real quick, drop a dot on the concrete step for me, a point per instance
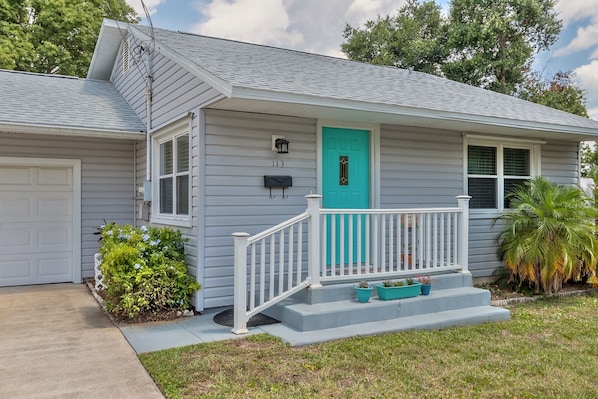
(449, 318)
(302, 316)
(345, 291)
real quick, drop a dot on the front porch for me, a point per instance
(303, 271)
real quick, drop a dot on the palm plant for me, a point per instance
(549, 235)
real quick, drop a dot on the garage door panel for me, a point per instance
(15, 269)
(55, 207)
(13, 207)
(36, 225)
(15, 239)
(17, 176)
(51, 268)
(58, 178)
(54, 238)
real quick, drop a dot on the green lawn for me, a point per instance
(548, 350)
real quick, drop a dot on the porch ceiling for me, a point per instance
(391, 114)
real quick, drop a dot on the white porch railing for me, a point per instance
(323, 245)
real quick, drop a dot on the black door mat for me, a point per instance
(227, 318)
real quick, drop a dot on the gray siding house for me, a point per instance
(171, 128)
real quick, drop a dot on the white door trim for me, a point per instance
(75, 164)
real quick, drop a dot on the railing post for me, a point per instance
(314, 240)
(463, 254)
(240, 281)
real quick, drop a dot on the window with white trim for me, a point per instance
(495, 169)
(171, 177)
(174, 176)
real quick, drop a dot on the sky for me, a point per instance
(317, 26)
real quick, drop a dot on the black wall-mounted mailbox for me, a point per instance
(278, 181)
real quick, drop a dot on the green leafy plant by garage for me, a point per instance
(549, 236)
(144, 270)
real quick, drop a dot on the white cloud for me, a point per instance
(151, 6)
(244, 20)
(572, 11)
(588, 77)
(586, 38)
(308, 25)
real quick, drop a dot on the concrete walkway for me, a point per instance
(56, 342)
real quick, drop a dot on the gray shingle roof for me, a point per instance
(243, 65)
(64, 102)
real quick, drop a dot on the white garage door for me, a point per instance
(36, 224)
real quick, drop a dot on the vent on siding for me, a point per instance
(126, 55)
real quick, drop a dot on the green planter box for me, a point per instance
(404, 291)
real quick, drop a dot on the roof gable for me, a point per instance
(256, 72)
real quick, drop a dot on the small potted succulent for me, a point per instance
(426, 282)
(364, 291)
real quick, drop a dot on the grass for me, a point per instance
(548, 350)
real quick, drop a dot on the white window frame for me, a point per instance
(163, 135)
(534, 147)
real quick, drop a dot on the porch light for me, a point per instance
(282, 145)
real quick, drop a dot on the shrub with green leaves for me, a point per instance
(144, 269)
(549, 235)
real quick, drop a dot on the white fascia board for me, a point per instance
(70, 131)
(263, 95)
(212, 80)
(106, 50)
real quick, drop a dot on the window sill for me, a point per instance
(179, 222)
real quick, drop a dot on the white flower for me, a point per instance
(137, 266)
(145, 237)
(143, 228)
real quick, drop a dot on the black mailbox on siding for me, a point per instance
(278, 181)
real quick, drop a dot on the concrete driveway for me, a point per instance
(55, 342)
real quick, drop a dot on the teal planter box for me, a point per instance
(403, 291)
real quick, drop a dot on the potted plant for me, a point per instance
(396, 290)
(426, 282)
(364, 291)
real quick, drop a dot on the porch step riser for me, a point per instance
(306, 317)
(345, 292)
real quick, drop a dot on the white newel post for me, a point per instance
(314, 202)
(240, 281)
(463, 255)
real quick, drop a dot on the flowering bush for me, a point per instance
(144, 269)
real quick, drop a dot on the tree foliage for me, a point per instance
(589, 160)
(413, 38)
(54, 36)
(485, 43)
(492, 41)
(561, 92)
(549, 236)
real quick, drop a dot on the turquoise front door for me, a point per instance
(345, 184)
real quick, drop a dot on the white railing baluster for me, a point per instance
(391, 251)
(375, 244)
(350, 244)
(281, 252)
(263, 272)
(332, 245)
(299, 251)
(272, 266)
(359, 240)
(290, 253)
(252, 278)
(341, 249)
(435, 241)
(368, 266)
